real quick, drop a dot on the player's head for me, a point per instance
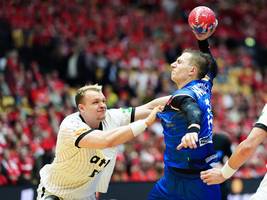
(91, 102)
(191, 65)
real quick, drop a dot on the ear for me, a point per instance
(81, 107)
(193, 71)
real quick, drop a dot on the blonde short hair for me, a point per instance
(81, 92)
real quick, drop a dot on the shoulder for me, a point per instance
(200, 88)
(73, 121)
(71, 130)
(184, 92)
(74, 117)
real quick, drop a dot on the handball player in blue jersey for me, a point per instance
(187, 128)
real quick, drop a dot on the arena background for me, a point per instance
(48, 48)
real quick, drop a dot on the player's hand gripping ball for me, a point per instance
(202, 19)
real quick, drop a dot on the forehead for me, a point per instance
(93, 95)
(184, 56)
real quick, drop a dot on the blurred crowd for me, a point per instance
(49, 48)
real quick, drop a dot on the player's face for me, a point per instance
(181, 68)
(94, 105)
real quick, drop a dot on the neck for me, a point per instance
(182, 84)
(92, 123)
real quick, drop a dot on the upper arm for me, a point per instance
(71, 129)
(256, 137)
(188, 106)
(181, 101)
(93, 138)
(259, 132)
(97, 139)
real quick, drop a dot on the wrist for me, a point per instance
(138, 127)
(193, 128)
(227, 171)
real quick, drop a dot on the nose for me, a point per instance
(103, 105)
(173, 65)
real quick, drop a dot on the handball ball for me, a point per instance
(201, 19)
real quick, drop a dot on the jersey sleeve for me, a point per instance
(72, 130)
(262, 121)
(183, 93)
(191, 110)
(122, 116)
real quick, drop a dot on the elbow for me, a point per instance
(195, 116)
(198, 115)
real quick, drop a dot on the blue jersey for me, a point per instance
(175, 127)
(181, 178)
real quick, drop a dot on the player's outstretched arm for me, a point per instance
(144, 110)
(103, 139)
(243, 152)
(203, 23)
(205, 48)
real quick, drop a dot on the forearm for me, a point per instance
(247, 148)
(242, 153)
(193, 116)
(205, 48)
(118, 136)
(143, 111)
(158, 101)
